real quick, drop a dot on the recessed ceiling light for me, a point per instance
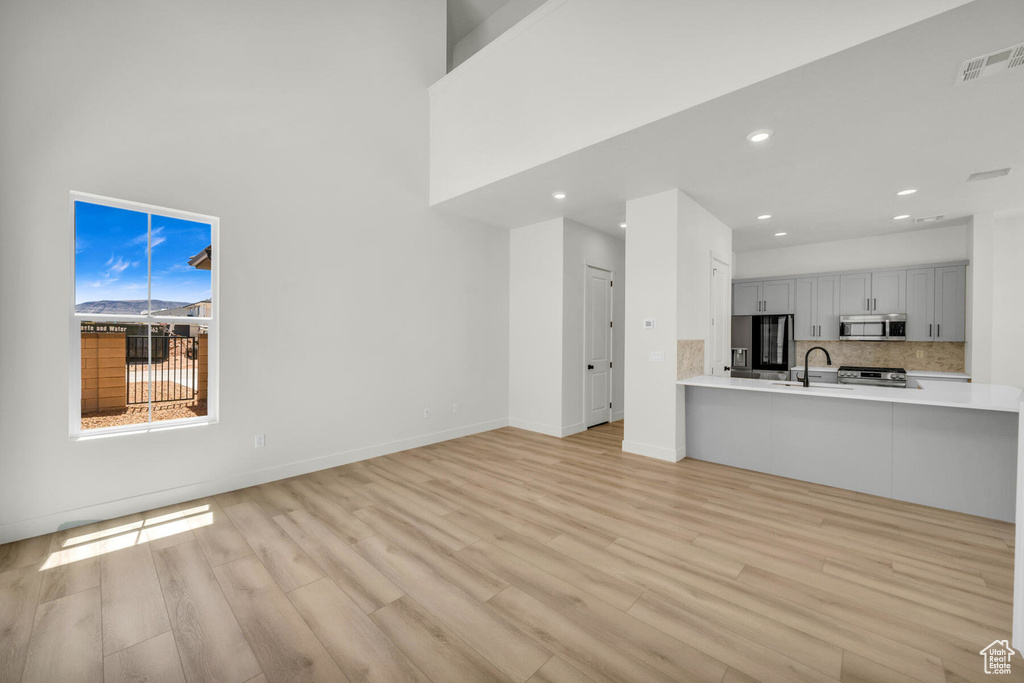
(559, 195)
(901, 216)
(764, 217)
(780, 234)
(760, 135)
(904, 193)
(622, 225)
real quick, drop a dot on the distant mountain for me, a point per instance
(134, 307)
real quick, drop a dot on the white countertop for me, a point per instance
(947, 394)
(940, 375)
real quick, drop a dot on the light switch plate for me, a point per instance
(260, 441)
(657, 356)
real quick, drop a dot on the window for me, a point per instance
(144, 317)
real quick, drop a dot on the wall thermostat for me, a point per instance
(648, 323)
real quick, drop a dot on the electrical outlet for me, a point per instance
(920, 354)
(426, 412)
(455, 407)
(657, 356)
(261, 440)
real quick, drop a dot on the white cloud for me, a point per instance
(141, 239)
(116, 266)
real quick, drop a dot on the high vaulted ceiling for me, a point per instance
(850, 130)
(466, 15)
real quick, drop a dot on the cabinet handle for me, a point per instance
(929, 329)
(875, 307)
(938, 329)
(868, 304)
(819, 330)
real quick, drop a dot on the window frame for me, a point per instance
(212, 323)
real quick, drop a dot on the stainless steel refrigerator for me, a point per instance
(763, 346)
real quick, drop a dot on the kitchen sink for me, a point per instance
(799, 385)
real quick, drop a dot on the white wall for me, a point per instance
(700, 235)
(303, 126)
(1008, 288)
(577, 72)
(547, 298)
(980, 292)
(668, 255)
(585, 246)
(652, 261)
(905, 248)
(507, 16)
(535, 327)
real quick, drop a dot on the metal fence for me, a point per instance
(174, 369)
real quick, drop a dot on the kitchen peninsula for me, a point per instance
(947, 445)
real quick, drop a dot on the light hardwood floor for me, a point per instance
(510, 556)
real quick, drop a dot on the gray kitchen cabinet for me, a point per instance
(817, 308)
(889, 291)
(950, 304)
(828, 307)
(805, 318)
(921, 304)
(779, 296)
(746, 298)
(855, 294)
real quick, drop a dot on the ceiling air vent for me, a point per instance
(985, 175)
(990, 65)
(929, 219)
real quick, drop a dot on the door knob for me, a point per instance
(590, 367)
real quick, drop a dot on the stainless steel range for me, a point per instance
(881, 377)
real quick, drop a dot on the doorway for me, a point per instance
(717, 359)
(598, 344)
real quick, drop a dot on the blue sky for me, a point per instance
(110, 256)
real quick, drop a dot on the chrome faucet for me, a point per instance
(807, 375)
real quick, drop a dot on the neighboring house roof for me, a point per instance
(203, 260)
(181, 310)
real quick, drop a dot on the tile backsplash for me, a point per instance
(689, 358)
(935, 356)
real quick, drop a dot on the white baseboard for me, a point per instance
(574, 429)
(659, 452)
(618, 415)
(539, 427)
(37, 526)
(546, 429)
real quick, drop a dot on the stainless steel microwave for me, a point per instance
(890, 327)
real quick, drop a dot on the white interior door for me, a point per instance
(720, 338)
(598, 382)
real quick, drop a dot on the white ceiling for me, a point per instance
(466, 15)
(850, 131)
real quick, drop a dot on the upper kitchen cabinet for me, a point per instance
(937, 304)
(817, 308)
(768, 296)
(855, 294)
(889, 291)
(746, 298)
(883, 291)
(779, 296)
(950, 303)
(805, 321)
(921, 304)
(828, 307)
